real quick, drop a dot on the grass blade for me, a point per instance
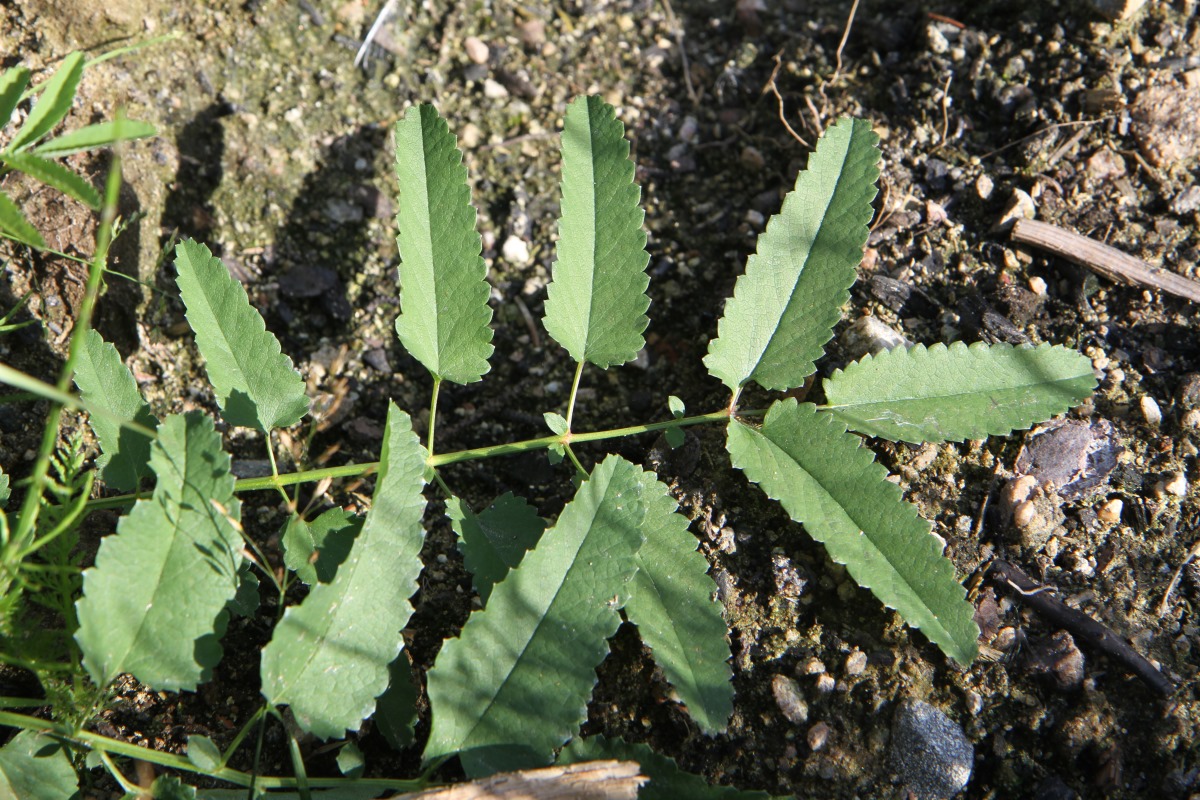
(328, 658)
(958, 392)
(256, 384)
(57, 95)
(784, 307)
(103, 379)
(596, 303)
(91, 137)
(154, 603)
(832, 485)
(444, 319)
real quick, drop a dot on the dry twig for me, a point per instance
(773, 89)
(591, 780)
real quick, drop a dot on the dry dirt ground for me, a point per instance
(274, 151)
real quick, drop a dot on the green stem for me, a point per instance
(437, 387)
(583, 473)
(130, 788)
(275, 474)
(574, 392)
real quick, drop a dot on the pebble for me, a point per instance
(476, 49)
(1186, 201)
(753, 159)
(984, 187)
(1020, 206)
(515, 250)
(1176, 484)
(930, 752)
(494, 90)
(1118, 10)
(533, 33)
(1073, 455)
(469, 135)
(1105, 164)
(856, 663)
(1188, 391)
(818, 735)
(1110, 512)
(1166, 124)
(1150, 410)
(1037, 286)
(790, 699)
(871, 335)
(1190, 420)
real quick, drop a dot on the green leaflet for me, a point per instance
(204, 753)
(90, 137)
(5, 490)
(12, 86)
(328, 658)
(784, 307)
(667, 780)
(520, 674)
(396, 709)
(57, 95)
(14, 224)
(955, 393)
(677, 615)
(34, 766)
(154, 603)
(256, 384)
(104, 380)
(444, 319)
(832, 485)
(55, 176)
(495, 540)
(596, 303)
(329, 537)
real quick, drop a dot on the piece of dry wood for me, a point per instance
(590, 780)
(1108, 261)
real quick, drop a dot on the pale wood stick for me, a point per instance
(1108, 261)
(591, 780)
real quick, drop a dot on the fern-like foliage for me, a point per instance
(328, 658)
(154, 603)
(958, 392)
(831, 484)
(443, 280)
(256, 384)
(596, 302)
(784, 307)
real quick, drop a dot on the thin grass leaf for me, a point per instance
(515, 684)
(57, 95)
(92, 137)
(444, 316)
(328, 658)
(103, 379)
(155, 602)
(35, 766)
(14, 224)
(12, 86)
(5, 490)
(596, 303)
(667, 780)
(55, 176)
(784, 307)
(256, 384)
(495, 540)
(678, 616)
(314, 550)
(958, 392)
(832, 485)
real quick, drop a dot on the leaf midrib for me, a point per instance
(950, 395)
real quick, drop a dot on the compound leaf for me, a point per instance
(13, 223)
(784, 307)
(104, 380)
(55, 176)
(957, 392)
(667, 780)
(596, 303)
(677, 615)
(34, 766)
(256, 384)
(495, 540)
(154, 603)
(314, 550)
(57, 95)
(832, 485)
(328, 658)
(90, 137)
(514, 686)
(444, 291)
(12, 86)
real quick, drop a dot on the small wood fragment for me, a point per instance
(594, 780)
(1107, 261)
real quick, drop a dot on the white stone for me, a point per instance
(515, 250)
(1150, 410)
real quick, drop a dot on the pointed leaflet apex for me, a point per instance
(784, 307)
(256, 384)
(832, 485)
(596, 302)
(443, 280)
(328, 658)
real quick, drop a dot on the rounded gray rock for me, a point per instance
(930, 752)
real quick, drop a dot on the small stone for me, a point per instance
(1176, 484)
(1025, 514)
(856, 663)
(790, 699)
(814, 666)
(871, 335)
(930, 752)
(494, 90)
(476, 49)
(532, 33)
(984, 187)
(1150, 410)
(1059, 657)
(1037, 286)
(1020, 206)
(1110, 512)
(826, 684)
(1104, 164)
(1188, 391)
(753, 159)
(1118, 10)
(818, 735)
(515, 250)
(1190, 420)
(377, 359)
(469, 135)
(1166, 123)
(1186, 201)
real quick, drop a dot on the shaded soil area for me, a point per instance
(275, 152)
